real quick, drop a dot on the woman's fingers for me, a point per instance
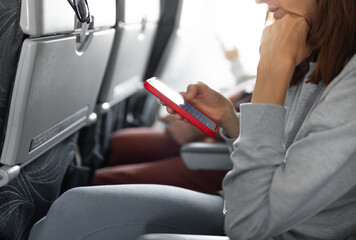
(171, 111)
(162, 103)
(178, 117)
(286, 39)
(196, 90)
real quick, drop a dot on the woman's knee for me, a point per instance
(90, 210)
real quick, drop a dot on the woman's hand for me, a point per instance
(286, 40)
(214, 105)
(283, 47)
(181, 132)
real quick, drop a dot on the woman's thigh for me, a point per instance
(128, 211)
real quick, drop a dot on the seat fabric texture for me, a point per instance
(28, 197)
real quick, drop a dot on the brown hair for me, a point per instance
(332, 39)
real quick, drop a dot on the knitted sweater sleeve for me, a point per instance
(270, 188)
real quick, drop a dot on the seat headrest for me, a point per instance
(49, 17)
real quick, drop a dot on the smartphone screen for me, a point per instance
(176, 101)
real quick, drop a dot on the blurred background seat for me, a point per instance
(142, 31)
(206, 156)
(136, 27)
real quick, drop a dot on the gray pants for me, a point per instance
(129, 211)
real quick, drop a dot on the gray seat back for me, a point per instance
(58, 77)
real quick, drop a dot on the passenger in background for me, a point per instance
(146, 155)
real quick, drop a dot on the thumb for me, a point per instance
(193, 90)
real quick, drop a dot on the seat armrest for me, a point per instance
(162, 236)
(206, 156)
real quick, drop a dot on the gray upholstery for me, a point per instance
(48, 103)
(57, 83)
(206, 156)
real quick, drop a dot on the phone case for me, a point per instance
(199, 124)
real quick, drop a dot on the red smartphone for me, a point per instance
(176, 101)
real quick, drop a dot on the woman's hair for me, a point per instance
(332, 39)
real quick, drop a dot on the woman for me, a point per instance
(294, 159)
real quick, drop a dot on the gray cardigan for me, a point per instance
(294, 174)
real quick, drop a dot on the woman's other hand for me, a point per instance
(283, 47)
(286, 40)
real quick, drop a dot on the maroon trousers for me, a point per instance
(148, 156)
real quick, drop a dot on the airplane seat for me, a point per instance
(136, 27)
(52, 66)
